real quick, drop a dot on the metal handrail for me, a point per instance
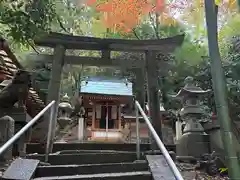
(160, 144)
(12, 140)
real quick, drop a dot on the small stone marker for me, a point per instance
(159, 168)
(21, 169)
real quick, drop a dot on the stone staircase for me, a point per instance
(83, 161)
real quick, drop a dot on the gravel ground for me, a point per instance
(198, 175)
(189, 173)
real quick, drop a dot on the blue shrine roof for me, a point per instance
(98, 85)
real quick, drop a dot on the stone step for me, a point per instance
(144, 175)
(86, 158)
(40, 149)
(89, 151)
(68, 170)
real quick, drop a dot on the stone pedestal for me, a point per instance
(193, 144)
(194, 141)
(6, 132)
(63, 122)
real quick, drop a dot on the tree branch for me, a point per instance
(135, 33)
(155, 27)
(32, 46)
(61, 25)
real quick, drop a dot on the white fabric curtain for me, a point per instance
(98, 112)
(114, 112)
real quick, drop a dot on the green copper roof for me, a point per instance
(99, 85)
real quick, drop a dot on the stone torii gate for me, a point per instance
(61, 42)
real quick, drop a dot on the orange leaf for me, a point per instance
(91, 2)
(160, 4)
(123, 15)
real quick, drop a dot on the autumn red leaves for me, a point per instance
(123, 15)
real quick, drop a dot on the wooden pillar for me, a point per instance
(153, 100)
(119, 117)
(93, 116)
(55, 81)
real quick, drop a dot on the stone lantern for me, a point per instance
(193, 140)
(65, 110)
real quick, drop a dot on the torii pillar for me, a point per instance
(152, 89)
(140, 85)
(54, 86)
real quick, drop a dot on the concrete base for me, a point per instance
(193, 144)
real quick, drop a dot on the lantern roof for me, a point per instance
(65, 98)
(190, 88)
(65, 105)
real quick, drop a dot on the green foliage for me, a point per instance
(24, 20)
(223, 170)
(230, 29)
(21, 21)
(191, 52)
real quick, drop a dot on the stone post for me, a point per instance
(178, 130)
(81, 128)
(6, 132)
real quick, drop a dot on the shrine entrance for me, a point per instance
(106, 121)
(61, 42)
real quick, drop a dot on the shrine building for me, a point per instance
(104, 101)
